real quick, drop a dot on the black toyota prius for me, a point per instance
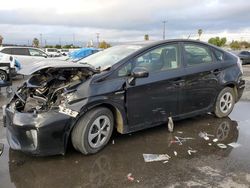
(127, 87)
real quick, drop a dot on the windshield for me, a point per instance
(110, 56)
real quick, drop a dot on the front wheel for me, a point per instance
(225, 102)
(3, 75)
(93, 131)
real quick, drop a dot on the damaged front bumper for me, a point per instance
(38, 134)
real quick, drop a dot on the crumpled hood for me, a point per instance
(42, 65)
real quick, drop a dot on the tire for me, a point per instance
(224, 102)
(88, 135)
(3, 75)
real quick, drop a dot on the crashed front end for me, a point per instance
(38, 118)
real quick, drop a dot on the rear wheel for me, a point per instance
(225, 102)
(93, 131)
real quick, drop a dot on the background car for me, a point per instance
(13, 64)
(52, 52)
(25, 55)
(245, 57)
(64, 52)
(127, 87)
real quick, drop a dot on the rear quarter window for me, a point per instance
(6, 50)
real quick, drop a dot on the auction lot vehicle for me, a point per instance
(52, 52)
(4, 72)
(128, 88)
(25, 55)
(245, 57)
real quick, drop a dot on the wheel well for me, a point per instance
(118, 120)
(231, 85)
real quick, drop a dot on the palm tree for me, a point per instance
(199, 33)
(35, 42)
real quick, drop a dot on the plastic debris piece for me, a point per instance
(164, 162)
(215, 140)
(170, 124)
(234, 145)
(175, 153)
(113, 141)
(210, 144)
(222, 146)
(190, 151)
(205, 135)
(155, 157)
(138, 181)
(179, 132)
(130, 178)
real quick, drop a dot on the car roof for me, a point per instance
(159, 42)
(19, 47)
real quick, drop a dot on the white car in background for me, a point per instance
(52, 52)
(10, 69)
(64, 52)
(25, 55)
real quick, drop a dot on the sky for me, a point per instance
(78, 21)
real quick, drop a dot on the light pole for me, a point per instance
(164, 29)
(41, 40)
(97, 39)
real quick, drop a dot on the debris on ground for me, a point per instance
(205, 135)
(179, 140)
(113, 142)
(164, 162)
(210, 144)
(179, 132)
(130, 177)
(222, 146)
(175, 153)
(191, 150)
(234, 145)
(1, 148)
(215, 140)
(155, 157)
(170, 124)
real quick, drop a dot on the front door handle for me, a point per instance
(178, 82)
(216, 71)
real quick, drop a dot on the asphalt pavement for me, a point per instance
(198, 156)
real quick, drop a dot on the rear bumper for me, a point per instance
(41, 134)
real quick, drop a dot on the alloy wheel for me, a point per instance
(99, 131)
(226, 102)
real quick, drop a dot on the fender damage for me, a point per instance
(38, 118)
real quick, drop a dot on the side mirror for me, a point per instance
(137, 72)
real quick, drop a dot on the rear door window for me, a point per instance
(197, 54)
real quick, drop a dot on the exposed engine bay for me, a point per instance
(44, 89)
